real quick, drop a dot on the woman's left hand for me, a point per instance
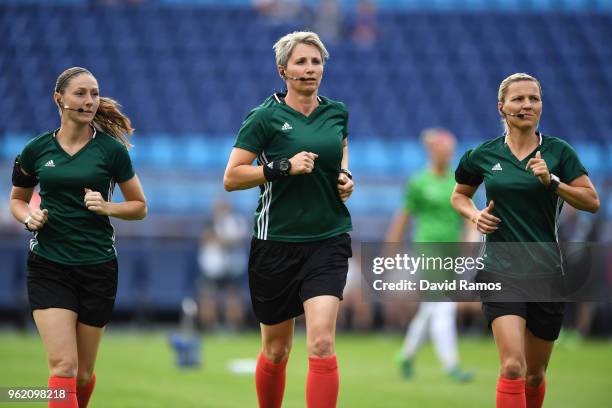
(95, 203)
(539, 168)
(345, 186)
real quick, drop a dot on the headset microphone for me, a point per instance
(76, 110)
(293, 78)
(518, 115)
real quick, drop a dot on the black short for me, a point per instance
(87, 290)
(282, 275)
(543, 319)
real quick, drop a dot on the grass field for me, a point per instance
(137, 370)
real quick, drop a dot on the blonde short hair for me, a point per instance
(520, 76)
(431, 135)
(284, 47)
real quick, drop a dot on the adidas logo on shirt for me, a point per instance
(286, 126)
(50, 164)
(497, 167)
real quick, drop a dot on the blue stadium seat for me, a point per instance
(179, 69)
(171, 276)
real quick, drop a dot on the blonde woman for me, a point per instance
(300, 248)
(527, 176)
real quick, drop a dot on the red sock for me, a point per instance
(322, 383)
(270, 382)
(510, 393)
(84, 391)
(65, 383)
(535, 395)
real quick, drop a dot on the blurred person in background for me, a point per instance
(327, 20)
(222, 260)
(427, 201)
(363, 25)
(575, 228)
(72, 263)
(528, 177)
(356, 310)
(279, 10)
(300, 248)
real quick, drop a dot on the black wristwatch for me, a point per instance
(284, 166)
(277, 169)
(347, 172)
(554, 183)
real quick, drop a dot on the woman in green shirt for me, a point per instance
(299, 253)
(72, 263)
(527, 178)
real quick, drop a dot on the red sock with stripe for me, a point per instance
(535, 395)
(270, 382)
(84, 391)
(322, 383)
(510, 393)
(63, 383)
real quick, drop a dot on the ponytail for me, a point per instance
(109, 119)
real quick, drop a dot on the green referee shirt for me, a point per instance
(428, 199)
(528, 212)
(73, 235)
(304, 207)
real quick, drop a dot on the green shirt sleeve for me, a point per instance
(571, 167)
(467, 171)
(122, 169)
(345, 131)
(252, 133)
(467, 162)
(412, 197)
(27, 160)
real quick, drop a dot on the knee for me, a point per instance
(513, 367)
(321, 346)
(277, 351)
(535, 378)
(63, 366)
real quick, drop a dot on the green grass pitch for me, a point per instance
(136, 369)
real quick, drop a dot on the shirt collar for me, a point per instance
(92, 126)
(537, 133)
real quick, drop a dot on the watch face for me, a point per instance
(283, 165)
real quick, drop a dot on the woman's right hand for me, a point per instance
(485, 221)
(37, 219)
(302, 163)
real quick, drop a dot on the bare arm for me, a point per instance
(462, 202)
(345, 184)
(398, 226)
(580, 194)
(133, 208)
(20, 199)
(345, 154)
(240, 174)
